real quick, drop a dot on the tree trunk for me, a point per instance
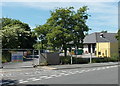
(65, 52)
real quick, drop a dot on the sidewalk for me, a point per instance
(74, 66)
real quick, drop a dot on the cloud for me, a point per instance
(103, 14)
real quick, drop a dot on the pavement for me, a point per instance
(75, 66)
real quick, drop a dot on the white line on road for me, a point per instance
(48, 77)
(59, 75)
(21, 81)
(93, 69)
(31, 78)
(36, 79)
(108, 67)
(53, 75)
(72, 72)
(11, 83)
(5, 82)
(27, 73)
(43, 77)
(103, 68)
(98, 68)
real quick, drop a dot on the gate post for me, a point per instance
(39, 56)
(33, 58)
(1, 52)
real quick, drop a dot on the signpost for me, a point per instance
(90, 57)
(0, 51)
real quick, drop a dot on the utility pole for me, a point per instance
(90, 57)
(33, 58)
(39, 56)
(71, 59)
(1, 51)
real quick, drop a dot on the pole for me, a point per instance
(90, 57)
(39, 56)
(33, 58)
(71, 59)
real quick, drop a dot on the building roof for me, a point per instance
(100, 37)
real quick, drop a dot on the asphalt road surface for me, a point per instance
(92, 75)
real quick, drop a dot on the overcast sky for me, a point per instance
(104, 15)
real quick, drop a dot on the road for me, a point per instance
(92, 75)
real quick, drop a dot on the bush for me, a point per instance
(67, 60)
(100, 60)
(6, 56)
(115, 57)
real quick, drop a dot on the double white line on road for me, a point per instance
(63, 73)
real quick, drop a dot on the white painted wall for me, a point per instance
(85, 48)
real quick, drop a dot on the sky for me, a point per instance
(104, 15)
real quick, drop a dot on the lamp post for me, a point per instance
(1, 51)
(40, 38)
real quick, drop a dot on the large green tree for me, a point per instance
(41, 32)
(65, 28)
(16, 34)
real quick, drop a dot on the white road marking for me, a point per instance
(43, 77)
(66, 74)
(98, 69)
(63, 71)
(27, 73)
(36, 79)
(93, 69)
(31, 78)
(115, 66)
(73, 72)
(11, 83)
(107, 67)
(5, 82)
(21, 81)
(59, 75)
(87, 70)
(53, 75)
(1, 74)
(103, 68)
(48, 77)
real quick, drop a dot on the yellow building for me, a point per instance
(101, 44)
(106, 49)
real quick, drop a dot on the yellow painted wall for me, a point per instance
(107, 49)
(114, 49)
(103, 48)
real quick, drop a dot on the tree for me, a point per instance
(16, 34)
(104, 31)
(80, 28)
(65, 26)
(41, 32)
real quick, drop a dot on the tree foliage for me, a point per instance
(65, 28)
(16, 34)
(104, 31)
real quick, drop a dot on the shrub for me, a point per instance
(67, 60)
(6, 56)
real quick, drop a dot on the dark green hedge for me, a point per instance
(6, 56)
(67, 60)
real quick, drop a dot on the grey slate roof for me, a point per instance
(96, 37)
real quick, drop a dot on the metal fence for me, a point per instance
(16, 58)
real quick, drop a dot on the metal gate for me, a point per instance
(20, 58)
